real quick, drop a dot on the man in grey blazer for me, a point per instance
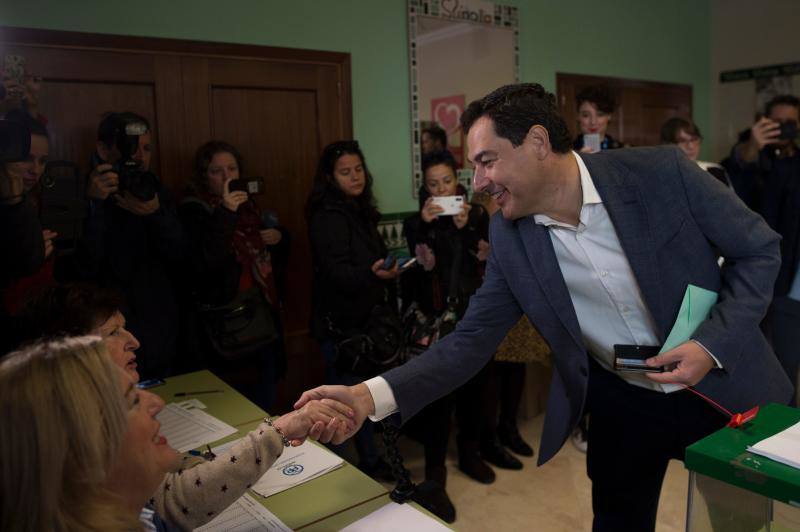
(598, 250)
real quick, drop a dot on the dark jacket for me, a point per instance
(344, 246)
(771, 187)
(449, 244)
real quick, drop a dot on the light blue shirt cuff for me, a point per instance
(383, 397)
(716, 361)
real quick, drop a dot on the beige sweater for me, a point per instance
(200, 489)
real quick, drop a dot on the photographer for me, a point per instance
(132, 238)
(765, 170)
(236, 259)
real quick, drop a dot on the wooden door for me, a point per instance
(278, 106)
(642, 106)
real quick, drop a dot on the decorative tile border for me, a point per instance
(391, 229)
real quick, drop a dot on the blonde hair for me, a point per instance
(63, 421)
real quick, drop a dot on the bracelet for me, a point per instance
(286, 442)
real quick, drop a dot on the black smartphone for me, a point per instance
(150, 383)
(253, 185)
(788, 130)
(388, 262)
(632, 358)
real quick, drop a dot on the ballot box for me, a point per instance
(732, 489)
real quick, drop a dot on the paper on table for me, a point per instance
(295, 466)
(396, 518)
(783, 447)
(189, 429)
(695, 308)
(191, 403)
(244, 515)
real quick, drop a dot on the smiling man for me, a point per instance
(598, 250)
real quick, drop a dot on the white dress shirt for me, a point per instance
(601, 284)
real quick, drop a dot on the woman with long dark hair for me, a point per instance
(349, 279)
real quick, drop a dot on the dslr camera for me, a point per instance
(138, 182)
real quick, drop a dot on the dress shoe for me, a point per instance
(509, 436)
(469, 461)
(493, 452)
(432, 496)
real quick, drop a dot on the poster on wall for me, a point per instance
(446, 111)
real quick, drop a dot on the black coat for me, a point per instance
(344, 246)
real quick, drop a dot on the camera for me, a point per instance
(788, 130)
(124, 132)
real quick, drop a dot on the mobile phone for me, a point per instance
(150, 383)
(388, 262)
(592, 141)
(631, 358)
(788, 130)
(406, 262)
(451, 204)
(14, 68)
(253, 185)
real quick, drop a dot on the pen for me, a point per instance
(198, 392)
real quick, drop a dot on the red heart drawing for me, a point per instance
(447, 115)
(449, 7)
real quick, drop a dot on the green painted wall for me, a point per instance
(648, 39)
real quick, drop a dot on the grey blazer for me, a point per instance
(669, 215)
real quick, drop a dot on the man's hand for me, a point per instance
(321, 420)
(763, 132)
(137, 206)
(356, 397)
(687, 364)
(102, 182)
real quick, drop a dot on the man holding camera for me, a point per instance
(765, 171)
(132, 237)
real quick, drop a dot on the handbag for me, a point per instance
(240, 327)
(375, 348)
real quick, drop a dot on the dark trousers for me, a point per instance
(431, 428)
(633, 434)
(475, 410)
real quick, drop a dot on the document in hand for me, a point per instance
(244, 515)
(783, 447)
(295, 466)
(187, 429)
(396, 518)
(695, 308)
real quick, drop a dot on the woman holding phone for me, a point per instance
(237, 257)
(596, 107)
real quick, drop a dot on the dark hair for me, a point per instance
(515, 109)
(437, 133)
(324, 186)
(673, 126)
(202, 160)
(781, 99)
(439, 157)
(24, 117)
(71, 309)
(110, 125)
(600, 95)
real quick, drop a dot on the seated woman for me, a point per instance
(79, 310)
(237, 257)
(596, 107)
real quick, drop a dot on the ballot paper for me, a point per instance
(295, 466)
(396, 518)
(188, 429)
(244, 515)
(783, 447)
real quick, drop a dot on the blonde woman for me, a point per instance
(70, 414)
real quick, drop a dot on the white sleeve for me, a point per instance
(383, 397)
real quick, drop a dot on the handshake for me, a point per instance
(329, 414)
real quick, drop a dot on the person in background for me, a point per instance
(596, 106)
(236, 255)
(686, 135)
(349, 280)
(765, 170)
(434, 138)
(132, 239)
(101, 463)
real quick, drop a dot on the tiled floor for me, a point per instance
(553, 498)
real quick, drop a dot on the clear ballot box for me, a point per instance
(733, 490)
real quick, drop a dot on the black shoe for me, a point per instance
(494, 453)
(475, 468)
(380, 470)
(432, 496)
(509, 436)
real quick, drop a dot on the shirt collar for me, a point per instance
(589, 191)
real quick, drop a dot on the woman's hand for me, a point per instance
(425, 256)
(385, 275)
(270, 237)
(232, 200)
(430, 211)
(48, 237)
(319, 420)
(483, 250)
(461, 219)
